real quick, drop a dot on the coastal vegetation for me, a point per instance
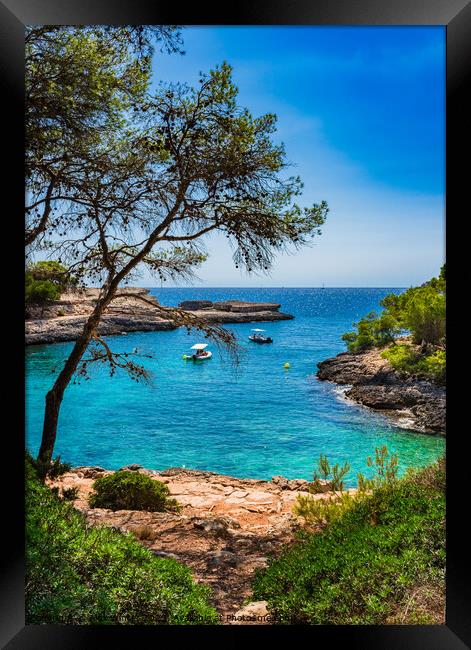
(48, 470)
(319, 512)
(127, 490)
(377, 558)
(45, 281)
(143, 177)
(77, 574)
(124, 175)
(418, 318)
(407, 359)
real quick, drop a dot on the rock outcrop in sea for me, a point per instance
(63, 320)
(415, 404)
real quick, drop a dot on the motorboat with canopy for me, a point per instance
(200, 353)
(257, 336)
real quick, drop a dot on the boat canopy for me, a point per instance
(256, 329)
(199, 346)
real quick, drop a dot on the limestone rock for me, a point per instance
(218, 558)
(192, 305)
(223, 539)
(217, 526)
(91, 472)
(375, 384)
(173, 556)
(251, 614)
(284, 483)
(136, 311)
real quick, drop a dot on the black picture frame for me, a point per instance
(456, 16)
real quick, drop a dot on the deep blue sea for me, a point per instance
(254, 420)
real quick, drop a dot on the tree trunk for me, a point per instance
(51, 416)
(55, 395)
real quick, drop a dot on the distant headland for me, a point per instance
(133, 310)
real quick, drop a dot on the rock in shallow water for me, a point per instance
(375, 384)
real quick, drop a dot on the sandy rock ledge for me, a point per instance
(227, 528)
(136, 311)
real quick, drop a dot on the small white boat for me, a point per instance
(257, 337)
(200, 353)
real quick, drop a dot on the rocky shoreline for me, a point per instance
(227, 527)
(63, 320)
(414, 404)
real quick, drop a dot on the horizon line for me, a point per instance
(280, 287)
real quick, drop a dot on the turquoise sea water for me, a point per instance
(255, 420)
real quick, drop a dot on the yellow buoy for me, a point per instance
(286, 365)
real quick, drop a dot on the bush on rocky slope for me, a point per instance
(382, 561)
(77, 574)
(127, 490)
(407, 360)
(420, 311)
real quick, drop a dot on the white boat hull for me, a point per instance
(199, 357)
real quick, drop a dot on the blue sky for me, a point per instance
(361, 111)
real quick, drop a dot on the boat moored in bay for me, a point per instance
(200, 353)
(257, 336)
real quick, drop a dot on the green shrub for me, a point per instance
(433, 366)
(425, 314)
(419, 310)
(363, 568)
(127, 490)
(41, 292)
(77, 574)
(385, 469)
(328, 476)
(410, 361)
(322, 512)
(372, 331)
(54, 272)
(45, 281)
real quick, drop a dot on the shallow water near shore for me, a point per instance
(255, 420)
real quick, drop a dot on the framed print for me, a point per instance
(239, 229)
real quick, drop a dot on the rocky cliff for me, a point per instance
(63, 320)
(415, 404)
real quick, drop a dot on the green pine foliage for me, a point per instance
(77, 574)
(45, 281)
(127, 490)
(328, 476)
(419, 310)
(40, 292)
(372, 331)
(380, 560)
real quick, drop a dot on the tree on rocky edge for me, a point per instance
(187, 162)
